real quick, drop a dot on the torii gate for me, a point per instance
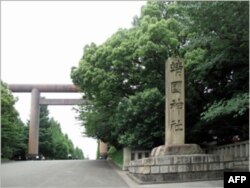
(35, 90)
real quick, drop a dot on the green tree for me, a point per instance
(128, 66)
(217, 70)
(13, 130)
(78, 154)
(125, 76)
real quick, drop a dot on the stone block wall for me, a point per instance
(179, 168)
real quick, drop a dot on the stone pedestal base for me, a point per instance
(181, 149)
(178, 168)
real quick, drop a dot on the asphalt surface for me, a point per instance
(76, 173)
(63, 173)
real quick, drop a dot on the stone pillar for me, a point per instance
(175, 102)
(103, 149)
(175, 113)
(126, 158)
(34, 124)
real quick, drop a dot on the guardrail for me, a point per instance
(238, 150)
(237, 154)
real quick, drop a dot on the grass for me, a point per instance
(117, 157)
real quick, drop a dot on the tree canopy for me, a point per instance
(13, 130)
(125, 76)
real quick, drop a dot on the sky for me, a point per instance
(42, 40)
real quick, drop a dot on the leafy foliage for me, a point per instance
(237, 106)
(136, 118)
(217, 70)
(13, 131)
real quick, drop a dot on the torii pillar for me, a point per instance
(34, 123)
(103, 149)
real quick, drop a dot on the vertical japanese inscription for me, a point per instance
(176, 87)
(175, 104)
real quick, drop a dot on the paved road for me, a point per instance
(68, 173)
(73, 174)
